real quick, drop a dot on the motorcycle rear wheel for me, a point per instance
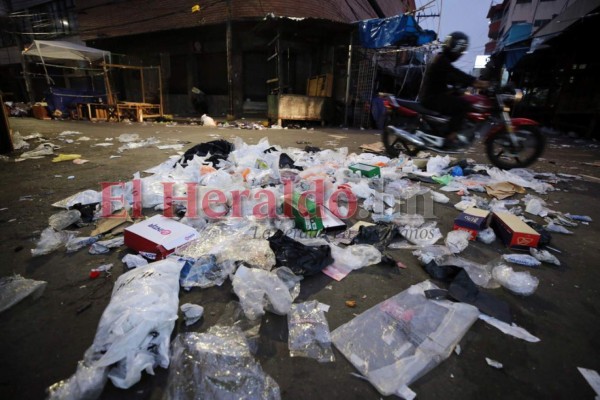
(503, 154)
(394, 146)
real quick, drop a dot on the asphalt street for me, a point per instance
(43, 339)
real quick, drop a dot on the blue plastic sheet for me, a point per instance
(400, 30)
(64, 99)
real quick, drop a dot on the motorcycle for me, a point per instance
(509, 142)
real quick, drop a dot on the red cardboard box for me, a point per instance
(472, 220)
(513, 231)
(157, 237)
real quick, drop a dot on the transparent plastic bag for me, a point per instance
(259, 290)
(457, 240)
(64, 219)
(424, 235)
(191, 313)
(522, 259)
(486, 236)
(356, 256)
(15, 288)
(399, 340)
(309, 334)
(544, 256)
(522, 283)
(133, 333)
(216, 364)
(77, 243)
(204, 272)
(51, 240)
(134, 261)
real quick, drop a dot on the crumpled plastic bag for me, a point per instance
(424, 235)
(436, 165)
(303, 260)
(356, 256)
(544, 256)
(457, 240)
(191, 313)
(522, 283)
(133, 333)
(216, 364)
(204, 272)
(64, 219)
(15, 288)
(309, 334)
(486, 235)
(259, 290)
(51, 240)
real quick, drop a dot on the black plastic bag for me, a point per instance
(218, 149)
(379, 235)
(301, 259)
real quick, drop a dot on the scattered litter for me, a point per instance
(128, 137)
(493, 363)
(544, 256)
(66, 157)
(64, 219)
(593, 379)
(309, 334)
(509, 329)
(217, 364)
(80, 161)
(96, 272)
(44, 149)
(522, 283)
(553, 227)
(486, 236)
(406, 321)
(15, 288)
(191, 313)
(457, 240)
(207, 121)
(133, 333)
(350, 303)
(51, 240)
(134, 261)
(522, 259)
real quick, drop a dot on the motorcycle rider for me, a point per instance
(440, 76)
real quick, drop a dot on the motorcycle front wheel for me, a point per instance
(394, 146)
(505, 154)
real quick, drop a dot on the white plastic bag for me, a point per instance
(517, 282)
(457, 240)
(133, 333)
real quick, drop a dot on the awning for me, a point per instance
(61, 50)
(575, 12)
(517, 33)
(400, 30)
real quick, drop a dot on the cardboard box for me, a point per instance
(472, 220)
(513, 231)
(313, 218)
(157, 237)
(365, 169)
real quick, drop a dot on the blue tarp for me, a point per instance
(400, 30)
(517, 33)
(64, 99)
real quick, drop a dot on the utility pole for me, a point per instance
(228, 40)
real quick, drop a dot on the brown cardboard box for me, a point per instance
(513, 231)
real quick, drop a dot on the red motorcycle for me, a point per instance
(509, 142)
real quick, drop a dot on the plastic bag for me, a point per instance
(77, 243)
(204, 272)
(356, 256)
(259, 290)
(64, 219)
(517, 282)
(303, 260)
(399, 340)
(486, 236)
(216, 364)
(436, 165)
(191, 313)
(544, 256)
(522, 259)
(134, 260)
(133, 333)
(553, 227)
(379, 235)
(309, 334)
(128, 137)
(457, 240)
(104, 246)
(425, 235)
(51, 240)
(15, 288)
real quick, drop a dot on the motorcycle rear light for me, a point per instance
(407, 112)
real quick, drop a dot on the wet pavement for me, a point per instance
(44, 339)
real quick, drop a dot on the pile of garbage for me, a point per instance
(267, 218)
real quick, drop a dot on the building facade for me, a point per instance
(235, 52)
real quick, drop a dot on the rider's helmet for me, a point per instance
(455, 45)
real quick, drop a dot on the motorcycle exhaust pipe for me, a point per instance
(406, 136)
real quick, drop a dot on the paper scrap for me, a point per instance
(512, 330)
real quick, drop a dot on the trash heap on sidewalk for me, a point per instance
(268, 218)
